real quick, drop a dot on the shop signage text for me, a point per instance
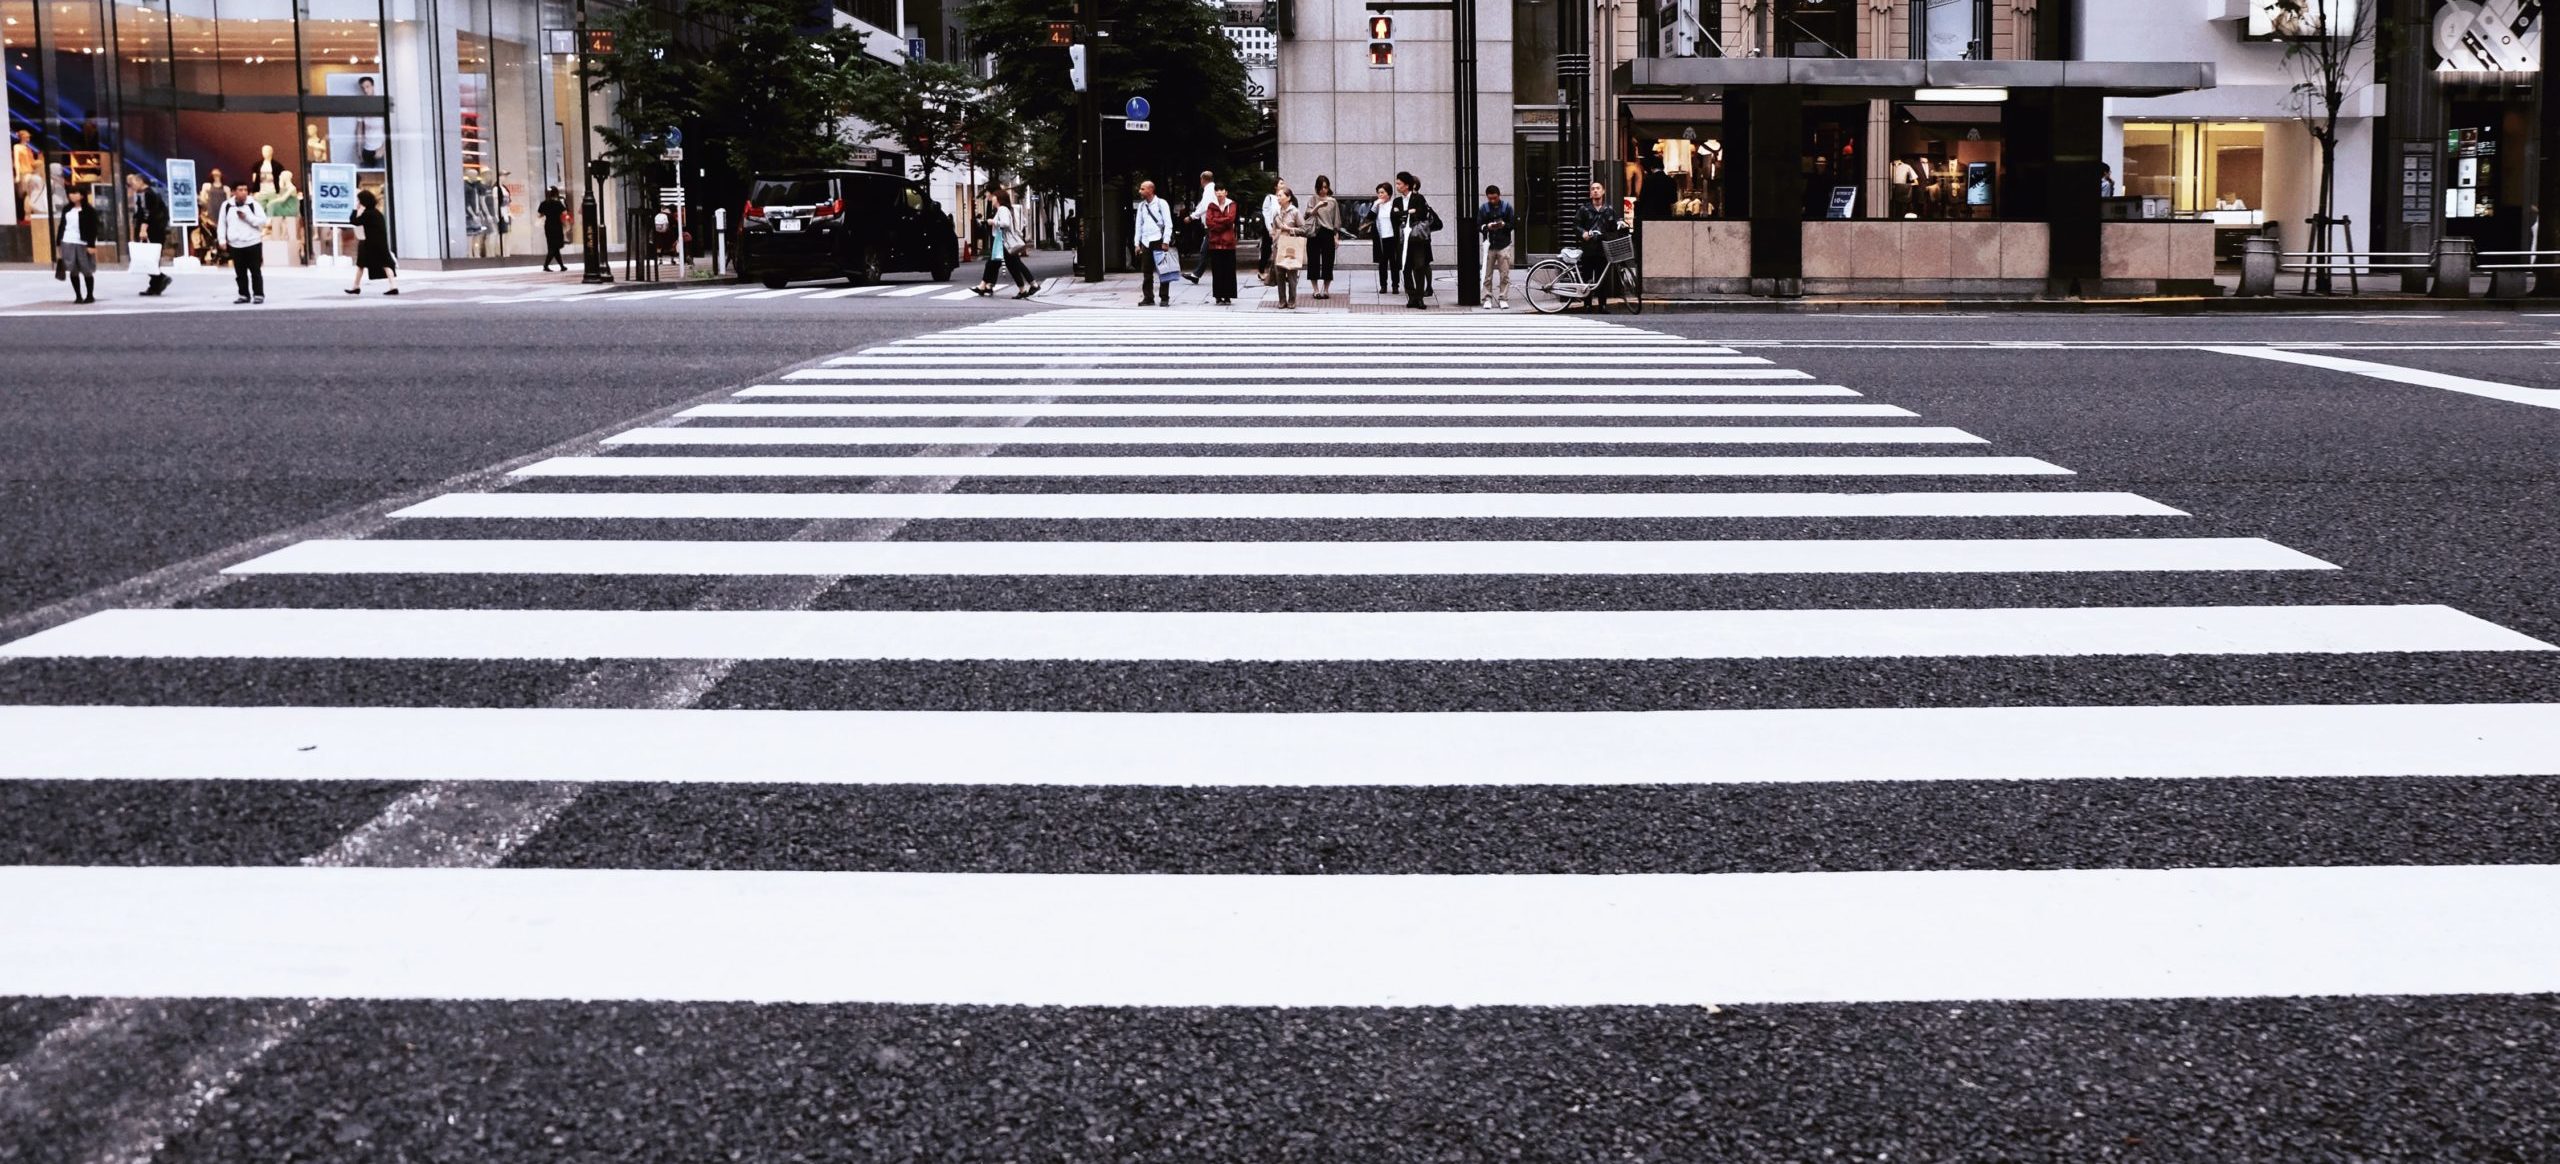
(333, 192)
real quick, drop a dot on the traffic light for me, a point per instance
(1382, 41)
(1075, 67)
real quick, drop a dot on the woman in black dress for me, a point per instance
(555, 228)
(373, 245)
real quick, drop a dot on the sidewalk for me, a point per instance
(201, 286)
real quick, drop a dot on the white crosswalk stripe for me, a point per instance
(911, 589)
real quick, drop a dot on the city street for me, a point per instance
(638, 726)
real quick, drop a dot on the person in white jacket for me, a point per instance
(1152, 232)
(1199, 214)
(243, 230)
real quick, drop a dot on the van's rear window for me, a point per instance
(799, 192)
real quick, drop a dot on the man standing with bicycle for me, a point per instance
(1600, 220)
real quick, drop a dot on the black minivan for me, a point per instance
(842, 224)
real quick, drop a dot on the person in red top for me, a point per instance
(1220, 217)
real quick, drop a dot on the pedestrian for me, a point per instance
(1218, 218)
(554, 212)
(1288, 226)
(1601, 220)
(1152, 231)
(1495, 218)
(373, 245)
(75, 230)
(1270, 237)
(244, 237)
(1382, 241)
(149, 214)
(2106, 180)
(1200, 214)
(1004, 247)
(1415, 222)
(1324, 232)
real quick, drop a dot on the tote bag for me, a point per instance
(1168, 265)
(1290, 254)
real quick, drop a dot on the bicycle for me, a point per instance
(1555, 284)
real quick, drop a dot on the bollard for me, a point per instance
(2259, 255)
(2451, 269)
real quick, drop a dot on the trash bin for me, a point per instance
(2259, 255)
(2452, 268)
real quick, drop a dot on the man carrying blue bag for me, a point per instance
(1158, 263)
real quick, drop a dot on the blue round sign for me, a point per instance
(1137, 109)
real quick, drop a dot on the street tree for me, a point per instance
(1169, 51)
(930, 107)
(2329, 47)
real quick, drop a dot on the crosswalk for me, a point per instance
(1464, 560)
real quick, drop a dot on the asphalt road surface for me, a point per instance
(862, 730)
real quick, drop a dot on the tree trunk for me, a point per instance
(2327, 218)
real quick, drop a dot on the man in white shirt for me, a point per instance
(243, 227)
(1153, 233)
(1208, 194)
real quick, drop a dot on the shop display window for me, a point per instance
(1951, 30)
(2213, 169)
(1948, 161)
(1682, 172)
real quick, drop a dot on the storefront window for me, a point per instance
(2216, 168)
(1681, 174)
(24, 209)
(1817, 28)
(1834, 164)
(1947, 161)
(515, 105)
(254, 43)
(1951, 30)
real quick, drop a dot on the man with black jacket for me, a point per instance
(1600, 220)
(148, 213)
(1414, 221)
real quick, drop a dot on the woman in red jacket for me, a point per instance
(1220, 218)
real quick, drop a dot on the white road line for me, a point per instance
(1641, 392)
(1490, 354)
(2512, 393)
(1561, 375)
(844, 292)
(917, 289)
(1356, 359)
(777, 293)
(1197, 558)
(1177, 940)
(1213, 506)
(714, 293)
(1311, 434)
(633, 296)
(1264, 637)
(757, 411)
(1322, 749)
(710, 466)
(963, 293)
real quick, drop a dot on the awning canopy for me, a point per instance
(1861, 77)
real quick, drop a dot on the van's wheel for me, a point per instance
(775, 282)
(867, 272)
(942, 274)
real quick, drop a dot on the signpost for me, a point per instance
(182, 193)
(1137, 109)
(333, 192)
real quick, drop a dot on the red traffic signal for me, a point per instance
(1382, 41)
(1062, 33)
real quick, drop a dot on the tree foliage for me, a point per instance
(1169, 51)
(939, 112)
(773, 96)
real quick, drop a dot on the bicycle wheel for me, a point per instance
(1544, 287)
(1629, 299)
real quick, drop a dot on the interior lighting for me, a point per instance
(1968, 96)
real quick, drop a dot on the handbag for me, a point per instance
(1168, 264)
(1291, 254)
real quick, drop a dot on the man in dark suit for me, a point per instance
(148, 215)
(1414, 221)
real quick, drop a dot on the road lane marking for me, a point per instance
(1314, 434)
(918, 289)
(2511, 393)
(1238, 558)
(1561, 375)
(1226, 636)
(1358, 359)
(893, 387)
(714, 293)
(845, 292)
(963, 293)
(753, 411)
(1338, 506)
(776, 293)
(1294, 749)
(1171, 466)
(1174, 940)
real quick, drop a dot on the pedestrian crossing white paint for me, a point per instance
(1220, 558)
(1264, 637)
(1362, 360)
(1276, 941)
(1170, 466)
(963, 293)
(1562, 375)
(976, 391)
(631, 296)
(1297, 749)
(848, 292)
(2511, 393)
(1481, 350)
(917, 289)
(714, 293)
(1319, 434)
(777, 293)
(760, 411)
(1337, 506)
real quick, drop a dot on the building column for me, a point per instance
(1772, 125)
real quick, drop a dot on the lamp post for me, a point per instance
(590, 215)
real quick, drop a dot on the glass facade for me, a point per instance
(451, 111)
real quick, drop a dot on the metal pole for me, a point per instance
(1089, 214)
(599, 269)
(1462, 39)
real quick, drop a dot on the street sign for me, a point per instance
(671, 196)
(1136, 125)
(1062, 33)
(1137, 109)
(673, 154)
(915, 48)
(560, 42)
(675, 138)
(599, 42)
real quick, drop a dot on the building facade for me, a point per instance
(458, 114)
(1341, 117)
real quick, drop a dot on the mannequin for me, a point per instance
(284, 217)
(262, 180)
(314, 147)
